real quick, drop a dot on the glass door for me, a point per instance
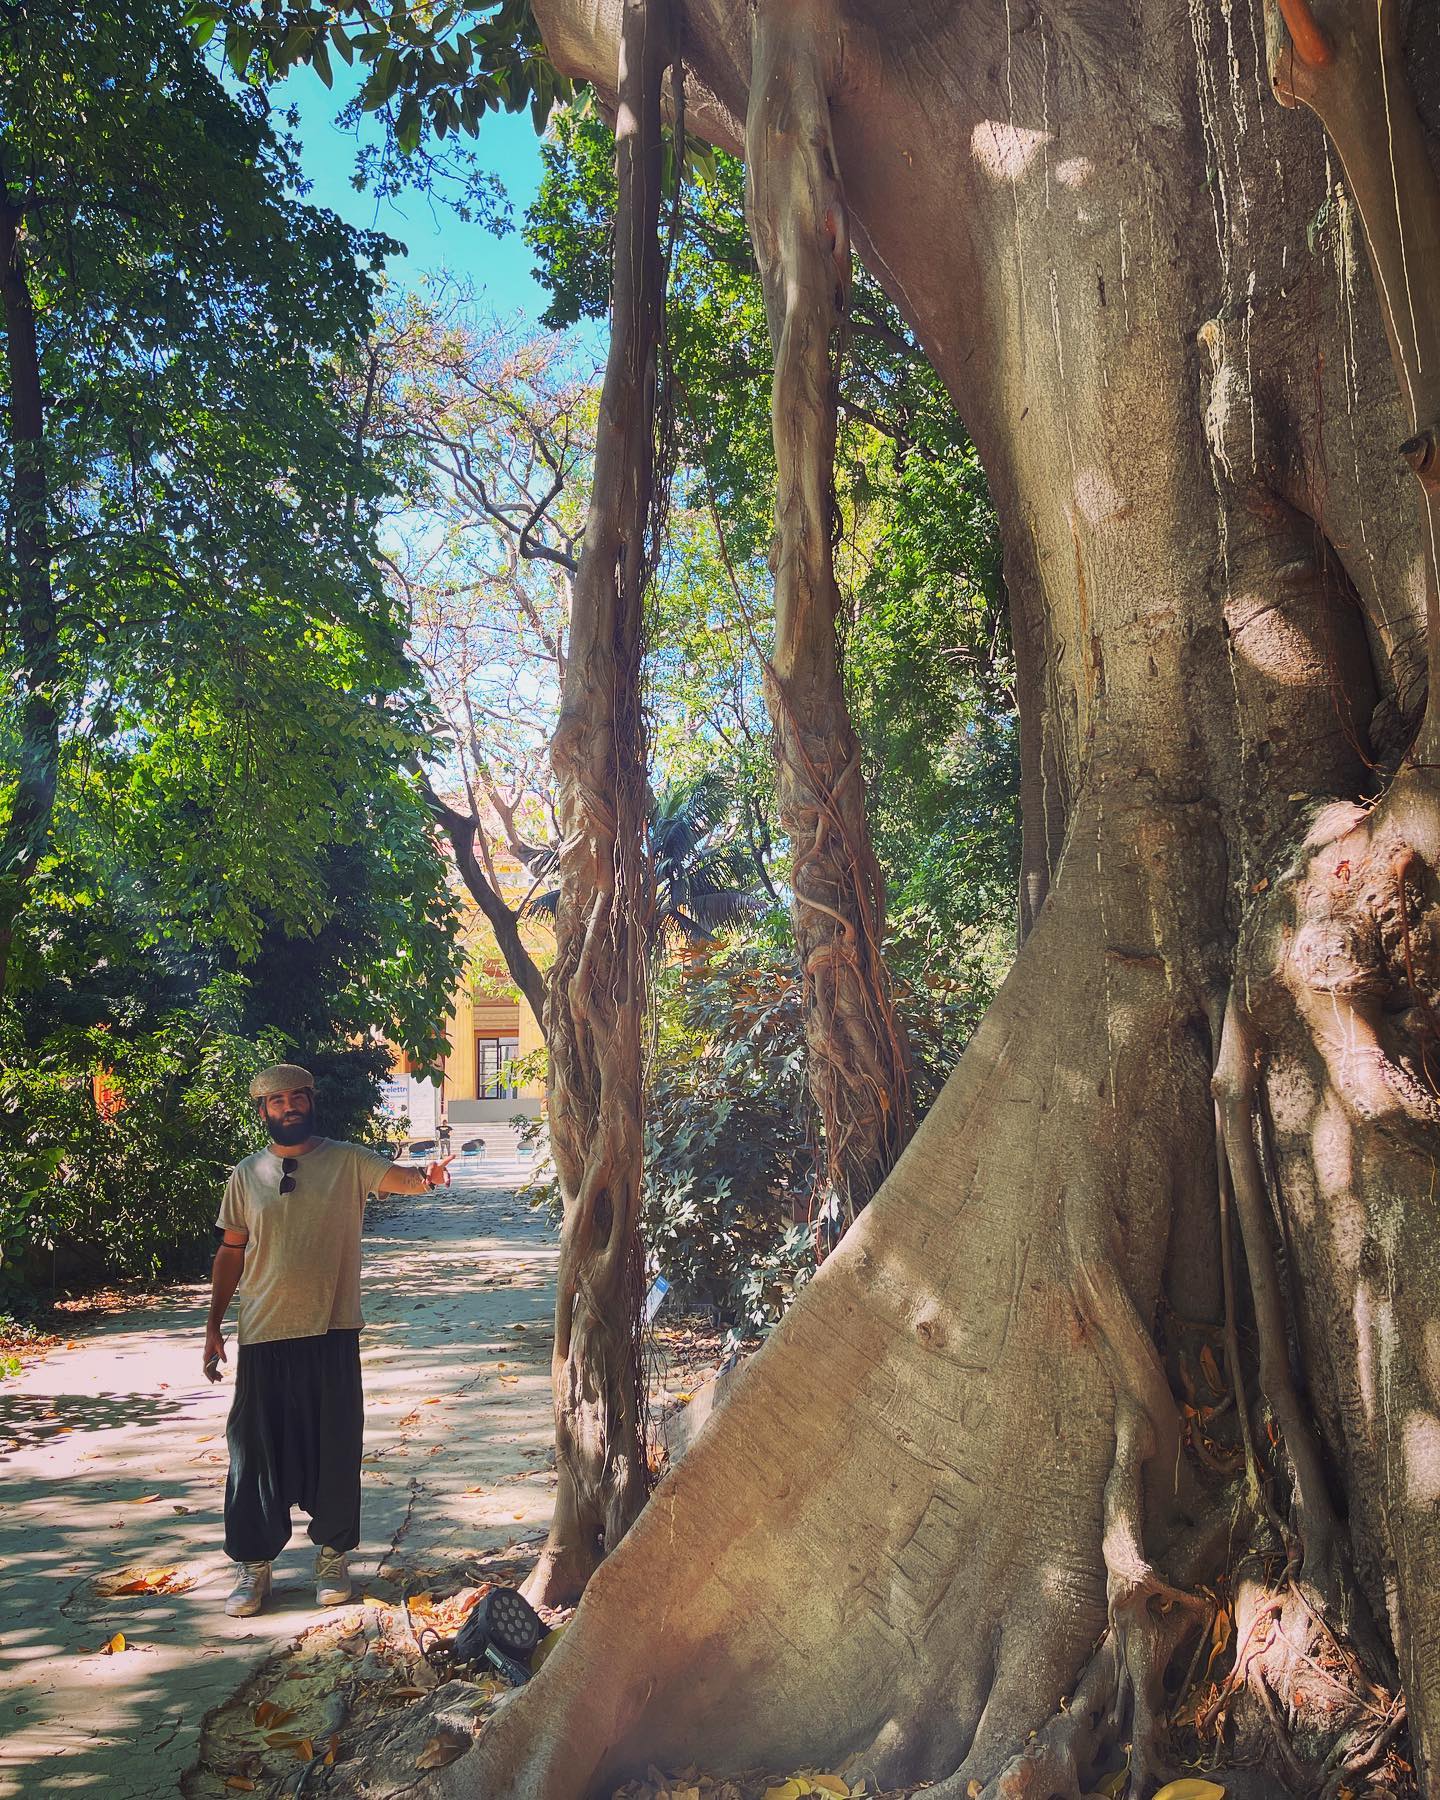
(492, 1058)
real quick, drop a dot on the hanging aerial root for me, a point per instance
(1318, 1529)
(1148, 1618)
(597, 992)
(859, 1071)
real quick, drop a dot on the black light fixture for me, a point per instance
(502, 1630)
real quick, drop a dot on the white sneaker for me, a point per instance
(332, 1577)
(251, 1589)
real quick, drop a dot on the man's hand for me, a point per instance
(214, 1352)
(409, 1180)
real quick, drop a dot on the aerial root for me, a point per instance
(1298, 1699)
(1119, 1702)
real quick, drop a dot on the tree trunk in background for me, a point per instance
(857, 1061)
(968, 1479)
(462, 829)
(26, 831)
(597, 986)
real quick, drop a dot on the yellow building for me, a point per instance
(489, 1025)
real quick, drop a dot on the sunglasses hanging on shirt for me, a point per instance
(288, 1166)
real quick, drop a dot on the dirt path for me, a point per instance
(112, 1456)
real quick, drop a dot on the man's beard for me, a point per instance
(290, 1130)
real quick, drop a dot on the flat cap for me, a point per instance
(280, 1078)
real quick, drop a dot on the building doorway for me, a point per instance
(493, 1055)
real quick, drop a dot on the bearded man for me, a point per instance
(290, 1226)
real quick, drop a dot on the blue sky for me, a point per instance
(435, 240)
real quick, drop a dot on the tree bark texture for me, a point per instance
(959, 1485)
(857, 1061)
(23, 840)
(597, 985)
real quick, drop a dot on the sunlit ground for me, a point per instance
(112, 1457)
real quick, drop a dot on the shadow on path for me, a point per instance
(112, 1456)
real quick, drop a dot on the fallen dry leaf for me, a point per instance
(1191, 1787)
(116, 1645)
(440, 1751)
(241, 1783)
(144, 1499)
(145, 1581)
(547, 1643)
(1219, 1639)
(1211, 1368)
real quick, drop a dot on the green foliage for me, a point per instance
(426, 66)
(729, 1209)
(929, 681)
(134, 1194)
(703, 879)
(232, 664)
(728, 1157)
(730, 1198)
(718, 342)
(236, 858)
(728, 1164)
(925, 634)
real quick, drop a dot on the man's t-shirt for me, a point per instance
(302, 1262)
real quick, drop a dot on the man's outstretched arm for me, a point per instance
(224, 1279)
(398, 1180)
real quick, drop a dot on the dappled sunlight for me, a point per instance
(1097, 496)
(114, 1460)
(1331, 1144)
(1422, 1458)
(1005, 151)
(1274, 641)
(1074, 171)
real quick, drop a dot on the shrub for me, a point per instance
(731, 1211)
(122, 1177)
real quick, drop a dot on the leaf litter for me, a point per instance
(337, 1686)
(144, 1581)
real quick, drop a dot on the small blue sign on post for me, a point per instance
(655, 1299)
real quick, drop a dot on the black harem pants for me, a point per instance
(295, 1432)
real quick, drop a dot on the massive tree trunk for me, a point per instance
(951, 1524)
(597, 985)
